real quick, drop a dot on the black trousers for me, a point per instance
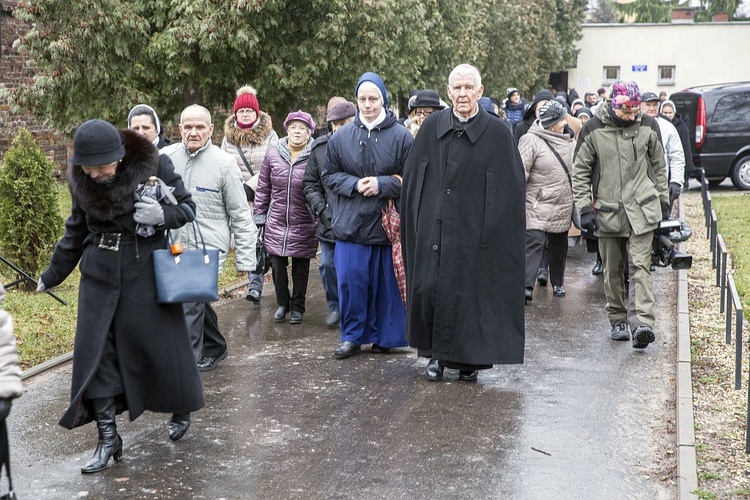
(558, 252)
(300, 275)
(203, 327)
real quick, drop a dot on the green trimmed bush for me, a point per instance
(30, 222)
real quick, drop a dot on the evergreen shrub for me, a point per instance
(30, 222)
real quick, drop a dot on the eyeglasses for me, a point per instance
(245, 111)
(297, 128)
(424, 113)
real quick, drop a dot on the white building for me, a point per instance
(669, 57)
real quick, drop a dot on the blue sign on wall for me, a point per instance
(640, 68)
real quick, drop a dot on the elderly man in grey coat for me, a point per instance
(215, 181)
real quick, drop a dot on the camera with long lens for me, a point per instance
(663, 252)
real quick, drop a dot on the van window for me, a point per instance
(732, 108)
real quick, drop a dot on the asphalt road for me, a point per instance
(583, 418)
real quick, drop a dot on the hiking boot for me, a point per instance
(642, 337)
(620, 331)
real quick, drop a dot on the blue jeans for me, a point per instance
(328, 275)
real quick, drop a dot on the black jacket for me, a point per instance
(354, 152)
(117, 291)
(463, 223)
(316, 194)
(684, 133)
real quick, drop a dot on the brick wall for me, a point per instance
(13, 71)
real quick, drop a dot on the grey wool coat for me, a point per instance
(117, 291)
(463, 241)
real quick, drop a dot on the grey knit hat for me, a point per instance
(96, 142)
(550, 113)
(341, 111)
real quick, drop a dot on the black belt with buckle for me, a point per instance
(110, 241)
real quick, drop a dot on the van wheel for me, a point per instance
(741, 173)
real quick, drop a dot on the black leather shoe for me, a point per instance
(280, 314)
(346, 349)
(642, 337)
(468, 375)
(558, 291)
(434, 371)
(528, 295)
(598, 268)
(379, 349)
(253, 296)
(178, 425)
(541, 276)
(295, 318)
(208, 363)
(332, 319)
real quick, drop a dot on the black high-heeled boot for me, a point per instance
(110, 443)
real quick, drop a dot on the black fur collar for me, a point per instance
(107, 202)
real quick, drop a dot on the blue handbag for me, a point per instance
(189, 276)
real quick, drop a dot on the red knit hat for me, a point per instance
(246, 98)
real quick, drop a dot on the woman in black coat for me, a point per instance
(668, 110)
(131, 353)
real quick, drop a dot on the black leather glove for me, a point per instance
(666, 211)
(4, 407)
(674, 191)
(588, 220)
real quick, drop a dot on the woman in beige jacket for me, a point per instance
(248, 133)
(547, 154)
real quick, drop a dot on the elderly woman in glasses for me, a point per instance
(421, 105)
(281, 205)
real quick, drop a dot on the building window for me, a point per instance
(611, 75)
(666, 75)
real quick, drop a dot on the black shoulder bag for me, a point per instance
(249, 193)
(575, 216)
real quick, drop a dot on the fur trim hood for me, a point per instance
(105, 202)
(245, 137)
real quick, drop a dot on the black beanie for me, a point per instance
(96, 142)
(540, 96)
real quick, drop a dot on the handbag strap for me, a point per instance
(559, 158)
(196, 228)
(244, 160)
